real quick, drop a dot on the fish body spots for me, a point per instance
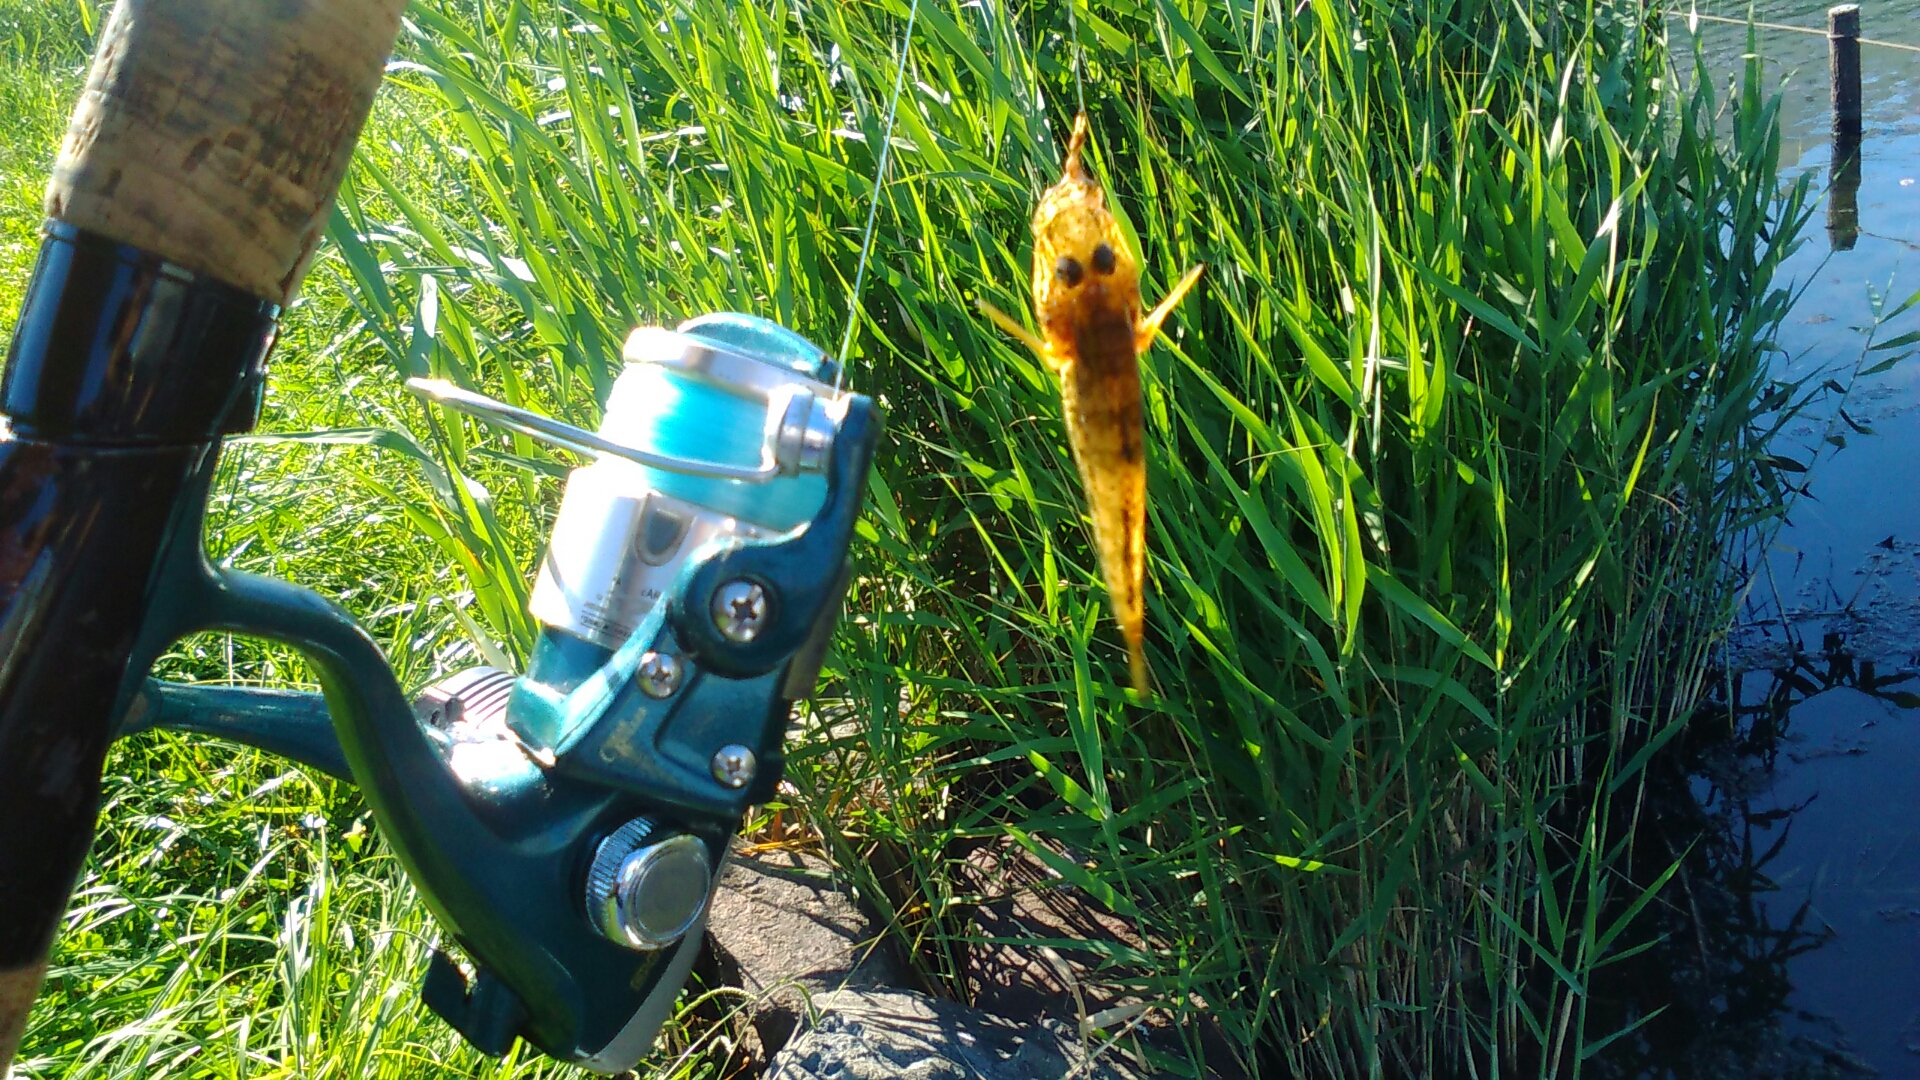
(1093, 324)
(1086, 299)
(1104, 387)
(1100, 397)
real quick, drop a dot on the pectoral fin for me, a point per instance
(1020, 333)
(1150, 326)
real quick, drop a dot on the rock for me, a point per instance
(785, 932)
(1022, 898)
(902, 1035)
(782, 929)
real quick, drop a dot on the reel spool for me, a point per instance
(715, 432)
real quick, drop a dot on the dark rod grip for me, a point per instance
(214, 133)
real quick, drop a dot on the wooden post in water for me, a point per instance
(1843, 167)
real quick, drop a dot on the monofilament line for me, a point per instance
(873, 207)
(1073, 29)
(1816, 31)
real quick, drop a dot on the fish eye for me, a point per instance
(1069, 270)
(1103, 259)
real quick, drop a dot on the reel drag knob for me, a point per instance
(645, 895)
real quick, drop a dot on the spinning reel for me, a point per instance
(566, 824)
(569, 823)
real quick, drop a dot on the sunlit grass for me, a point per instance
(237, 917)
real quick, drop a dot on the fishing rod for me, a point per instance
(566, 825)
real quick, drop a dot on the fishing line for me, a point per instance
(873, 206)
(1788, 29)
(1073, 28)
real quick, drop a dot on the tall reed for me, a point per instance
(1444, 459)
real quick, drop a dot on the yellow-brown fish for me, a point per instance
(1086, 298)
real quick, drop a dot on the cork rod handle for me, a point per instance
(214, 133)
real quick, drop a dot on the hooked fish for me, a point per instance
(1086, 300)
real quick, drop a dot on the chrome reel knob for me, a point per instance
(648, 895)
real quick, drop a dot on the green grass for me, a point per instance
(47, 45)
(1445, 453)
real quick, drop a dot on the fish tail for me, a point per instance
(1102, 405)
(1137, 662)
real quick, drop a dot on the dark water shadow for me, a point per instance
(1783, 945)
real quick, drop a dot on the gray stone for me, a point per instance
(808, 956)
(784, 921)
(1021, 898)
(892, 1034)
(782, 929)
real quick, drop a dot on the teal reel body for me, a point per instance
(567, 824)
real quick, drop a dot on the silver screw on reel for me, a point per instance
(734, 765)
(659, 674)
(740, 610)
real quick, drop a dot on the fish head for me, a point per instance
(1079, 260)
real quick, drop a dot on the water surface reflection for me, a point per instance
(1782, 947)
(1791, 939)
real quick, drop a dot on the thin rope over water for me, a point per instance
(1790, 29)
(873, 206)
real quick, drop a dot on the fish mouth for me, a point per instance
(1075, 144)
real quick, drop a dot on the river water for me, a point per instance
(1814, 781)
